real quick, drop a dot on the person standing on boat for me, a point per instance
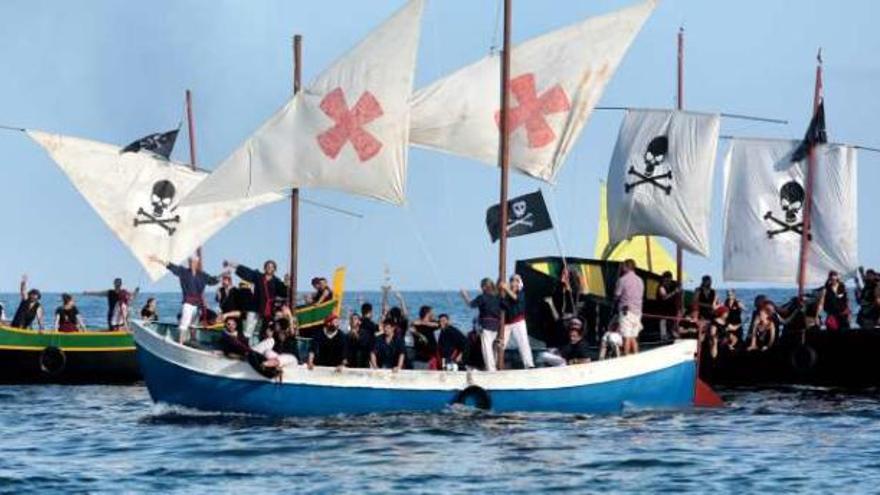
(764, 330)
(370, 327)
(834, 301)
(451, 343)
(424, 341)
(360, 342)
(118, 300)
(488, 304)
(29, 309)
(67, 316)
(193, 282)
(514, 305)
(329, 346)
(322, 291)
(707, 299)
(734, 313)
(267, 287)
(629, 294)
(667, 296)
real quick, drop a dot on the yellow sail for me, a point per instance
(636, 248)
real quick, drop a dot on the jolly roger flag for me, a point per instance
(160, 143)
(815, 135)
(525, 215)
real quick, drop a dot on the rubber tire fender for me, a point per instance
(803, 358)
(474, 395)
(52, 360)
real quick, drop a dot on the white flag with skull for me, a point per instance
(764, 206)
(137, 195)
(660, 178)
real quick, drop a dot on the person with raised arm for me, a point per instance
(192, 287)
(488, 305)
(267, 288)
(30, 309)
(118, 301)
(514, 303)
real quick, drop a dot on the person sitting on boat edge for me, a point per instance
(424, 341)
(451, 344)
(30, 309)
(322, 291)
(389, 351)
(118, 300)
(488, 305)
(273, 340)
(611, 342)
(690, 327)
(193, 281)
(267, 287)
(150, 312)
(764, 329)
(514, 304)
(734, 312)
(869, 299)
(232, 342)
(629, 294)
(328, 346)
(834, 301)
(67, 316)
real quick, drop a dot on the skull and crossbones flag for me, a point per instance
(764, 206)
(138, 196)
(160, 143)
(660, 177)
(526, 214)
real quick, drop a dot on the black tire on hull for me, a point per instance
(803, 359)
(52, 361)
(475, 396)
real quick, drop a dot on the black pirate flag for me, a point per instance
(815, 134)
(525, 214)
(160, 143)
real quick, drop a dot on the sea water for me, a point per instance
(104, 439)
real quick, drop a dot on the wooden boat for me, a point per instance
(105, 357)
(179, 375)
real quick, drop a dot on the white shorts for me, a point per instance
(630, 324)
(612, 338)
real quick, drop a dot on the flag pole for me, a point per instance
(504, 164)
(808, 193)
(191, 133)
(679, 104)
(294, 193)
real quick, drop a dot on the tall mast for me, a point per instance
(504, 162)
(294, 193)
(191, 133)
(808, 196)
(679, 104)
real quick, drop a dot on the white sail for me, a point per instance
(137, 195)
(763, 212)
(347, 131)
(556, 81)
(660, 178)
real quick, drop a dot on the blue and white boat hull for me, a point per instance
(178, 375)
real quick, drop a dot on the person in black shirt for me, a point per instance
(452, 344)
(834, 301)
(149, 313)
(734, 312)
(667, 295)
(329, 346)
(424, 341)
(322, 291)
(117, 303)
(389, 351)
(267, 288)
(707, 300)
(67, 317)
(232, 342)
(29, 309)
(360, 343)
(513, 302)
(367, 322)
(576, 351)
(488, 305)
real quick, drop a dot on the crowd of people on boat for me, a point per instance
(259, 324)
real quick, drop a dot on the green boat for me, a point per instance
(105, 357)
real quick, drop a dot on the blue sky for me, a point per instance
(114, 71)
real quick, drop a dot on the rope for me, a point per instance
(427, 254)
(551, 209)
(493, 45)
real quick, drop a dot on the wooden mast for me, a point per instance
(679, 104)
(191, 133)
(504, 164)
(808, 187)
(294, 193)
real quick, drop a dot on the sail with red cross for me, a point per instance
(347, 131)
(556, 81)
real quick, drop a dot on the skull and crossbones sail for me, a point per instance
(763, 213)
(660, 177)
(137, 194)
